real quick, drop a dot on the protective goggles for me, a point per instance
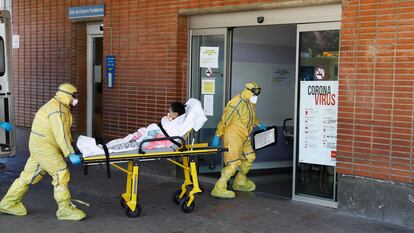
(71, 94)
(255, 90)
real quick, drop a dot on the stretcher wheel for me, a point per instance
(176, 197)
(133, 214)
(184, 207)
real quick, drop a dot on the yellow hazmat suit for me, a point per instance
(50, 138)
(237, 122)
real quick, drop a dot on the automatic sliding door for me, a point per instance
(317, 100)
(208, 84)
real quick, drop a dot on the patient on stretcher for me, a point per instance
(168, 122)
(179, 120)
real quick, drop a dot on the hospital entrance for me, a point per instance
(88, 59)
(266, 55)
(282, 58)
(94, 80)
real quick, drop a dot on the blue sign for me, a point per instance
(86, 11)
(110, 70)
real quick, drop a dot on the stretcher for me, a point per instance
(183, 157)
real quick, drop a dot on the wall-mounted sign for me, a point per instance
(110, 70)
(318, 122)
(283, 75)
(208, 105)
(80, 12)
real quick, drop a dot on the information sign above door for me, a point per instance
(86, 12)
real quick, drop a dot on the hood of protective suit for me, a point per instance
(246, 93)
(64, 93)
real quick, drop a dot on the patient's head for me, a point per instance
(176, 109)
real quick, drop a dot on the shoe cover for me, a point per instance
(69, 212)
(220, 188)
(220, 191)
(11, 204)
(16, 208)
(242, 183)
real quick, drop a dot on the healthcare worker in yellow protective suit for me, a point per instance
(50, 140)
(236, 125)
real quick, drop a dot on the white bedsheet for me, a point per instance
(194, 118)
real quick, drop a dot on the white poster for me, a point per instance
(209, 105)
(209, 57)
(283, 75)
(15, 41)
(318, 122)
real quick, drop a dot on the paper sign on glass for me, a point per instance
(209, 57)
(318, 115)
(208, 87)
(209, 105)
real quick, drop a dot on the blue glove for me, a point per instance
(75, 159)
(215, 142)
(262, 126)
(6, 126)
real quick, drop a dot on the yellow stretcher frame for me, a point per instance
(184, 196)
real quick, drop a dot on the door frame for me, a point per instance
(323, 26)
(288, 15)
(306, 15)
(196, 93)
(93, 31)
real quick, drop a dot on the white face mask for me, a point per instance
(75, 102)
(253, 99)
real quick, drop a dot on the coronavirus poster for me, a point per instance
(318, 122)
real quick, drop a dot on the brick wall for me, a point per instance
(150, 45)
(50, 53)
(149, 41)
(376, 113)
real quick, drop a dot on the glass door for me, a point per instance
(94, 80)
(209, 81)
(316, 114)
(97, 87)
